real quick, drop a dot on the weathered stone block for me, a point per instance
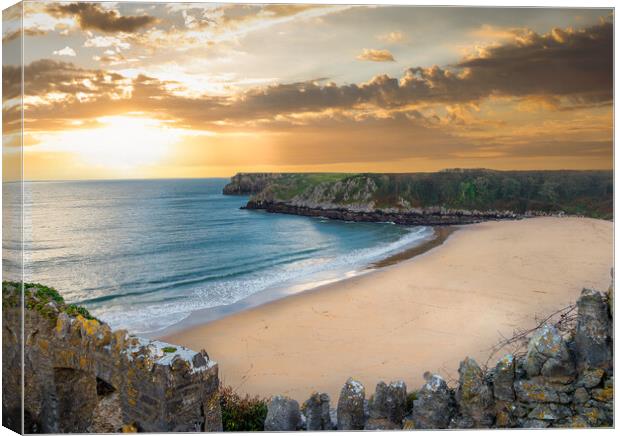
(316, 410)
(531, 391)
(593, 416)
(505, 414)
(351, 415)
(604, 394)
(548, 355)
(550, 412)
(503, 378)
(283, 415)
(389, 402)
(474, 396)
(590, 378)
(581, 395)
(592, 341)
(434, 407)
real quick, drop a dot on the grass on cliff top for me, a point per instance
(38, 297)
(290, 185)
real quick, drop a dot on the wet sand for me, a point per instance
(441, 234)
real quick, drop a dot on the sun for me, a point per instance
(117, 142)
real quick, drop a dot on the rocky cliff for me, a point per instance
(249, 183)
(416, 216)
(563, 378)
(447, 197)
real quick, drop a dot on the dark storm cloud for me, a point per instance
(92, 16)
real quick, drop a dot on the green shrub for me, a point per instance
(242, 413)
(37, 297)
(169, 349)
(73, 310)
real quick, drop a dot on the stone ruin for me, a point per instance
(80, 376)
(560, 381)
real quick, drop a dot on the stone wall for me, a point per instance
(81, 376)
(562, 379)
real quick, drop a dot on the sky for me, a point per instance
(167, 90)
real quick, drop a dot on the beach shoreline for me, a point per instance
(421, 314)
(441, 234)
(267, 296)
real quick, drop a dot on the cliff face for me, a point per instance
(249, 183)
(447, 197)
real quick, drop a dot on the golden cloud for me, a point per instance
(375, 55)
(92, 16)
(392, 37)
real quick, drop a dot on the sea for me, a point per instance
(145, 254)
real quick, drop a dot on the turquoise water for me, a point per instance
(144, 254)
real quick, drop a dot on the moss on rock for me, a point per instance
(43, 299)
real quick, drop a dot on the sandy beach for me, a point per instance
(422, 314)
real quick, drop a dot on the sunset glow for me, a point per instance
(122, 142)
(201, 90)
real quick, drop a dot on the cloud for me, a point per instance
(575, 63)
(92, 16)
(374, 55)
(233, 16)
(490, 32)
(107, 41)
(62, 79)
(67, 51)
(392, 37)
(28, 31)
(571, 69)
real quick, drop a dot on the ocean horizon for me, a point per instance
(145, 254)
